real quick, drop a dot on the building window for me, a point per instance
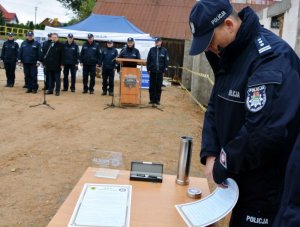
(275, 22)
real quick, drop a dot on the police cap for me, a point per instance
(10, 34)
(205, 16)
(90, 35)
(49, 34)
(130, 39)
(157, 39)
(70, 35)
(29, 33)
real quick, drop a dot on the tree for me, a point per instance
(86, 8)
(81, 9)
(2, 20)
(30, 25)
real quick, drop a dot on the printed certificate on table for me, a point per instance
(212, 208)
(102, 205)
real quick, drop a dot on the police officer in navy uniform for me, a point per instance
(9, 56)
(45, 48)
(253, 116)
(71, 62)
(30, 55)
(54, 62)
(129, 51)
(157, 65)
(108, 63)
(90, 57)
(288, 215)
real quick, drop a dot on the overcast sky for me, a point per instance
(46, 8)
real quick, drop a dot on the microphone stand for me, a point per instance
(45, 101)
(112, 105)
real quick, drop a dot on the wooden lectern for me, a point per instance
(130, 81)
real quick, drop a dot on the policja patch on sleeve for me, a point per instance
(256, 98)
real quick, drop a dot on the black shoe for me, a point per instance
(72, 90)
(157, 102)
(91, 92)
(25, 86)
(64, 89)
(11, 85)
(104, 93)
(34, 91)
(111, 94)
(151, 102)
(57, 93)
(84, 92)
(49, 93)
(7, 85)
(28, 91)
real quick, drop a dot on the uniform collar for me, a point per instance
(249, 29)
(91, 44)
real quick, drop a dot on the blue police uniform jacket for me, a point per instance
(71, 53)
(158, 60)
(90, 54)
(30, 52)
(252, 119)
(130, 52)
(10, 51)
(288, 215)
(108, 58)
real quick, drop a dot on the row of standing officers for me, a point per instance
(56, 56)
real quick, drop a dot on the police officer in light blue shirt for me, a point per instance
(30, 56)
(9, 56)
(253, 116)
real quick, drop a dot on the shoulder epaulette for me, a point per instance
(262, 45)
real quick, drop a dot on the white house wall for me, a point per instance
(291, 23)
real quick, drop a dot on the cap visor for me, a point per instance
(201, 43)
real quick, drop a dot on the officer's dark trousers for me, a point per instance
(54, 80)
(30, 71)
(89, 70)
(108, 75)
(156, 80)
(10, 68)
(246, 218)
(72, 70)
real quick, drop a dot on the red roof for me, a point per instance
(8, 16)
(165, 18)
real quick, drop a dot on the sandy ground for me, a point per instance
(44, 152)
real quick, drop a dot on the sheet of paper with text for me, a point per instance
(211, 208)
(103, 205)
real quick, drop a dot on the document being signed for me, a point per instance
(102, 205)
(212, 208)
